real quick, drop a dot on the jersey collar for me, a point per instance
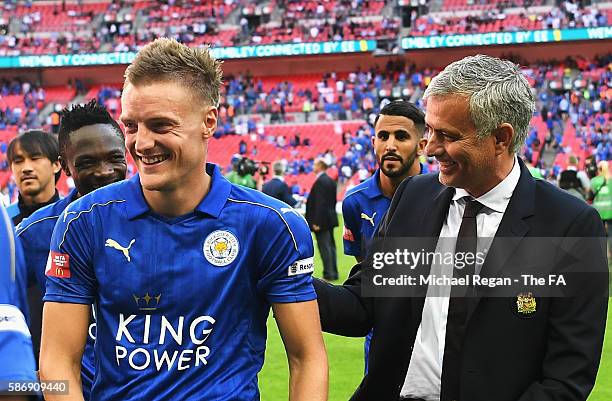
(71, 197)
(212, 204)
(372, 189)
(220, 188)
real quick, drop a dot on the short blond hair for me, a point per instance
(166, 59)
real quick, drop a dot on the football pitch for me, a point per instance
(346, 354)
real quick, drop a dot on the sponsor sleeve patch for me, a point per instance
(11, 319)
(58, 265)
(348, 235)
(303, 266)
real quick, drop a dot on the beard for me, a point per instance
(404, 167)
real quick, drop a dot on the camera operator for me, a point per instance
(276, 186)
(243, 170)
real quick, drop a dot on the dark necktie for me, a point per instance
(457, 307)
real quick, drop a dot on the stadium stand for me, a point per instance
(496, 20)
(479, 5)
(267, 113)
(301, 116)
(128, 25)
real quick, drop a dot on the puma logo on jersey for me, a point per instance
(368, 218)
(111, 243)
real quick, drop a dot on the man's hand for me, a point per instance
(300, 330)
(316, 228)
(64, 332)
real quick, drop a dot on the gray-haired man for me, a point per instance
(276, 187)
(525, 347)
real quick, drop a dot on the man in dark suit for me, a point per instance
(276, 187)
(528, 346)
(322, 218)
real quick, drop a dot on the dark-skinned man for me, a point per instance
(92, 152)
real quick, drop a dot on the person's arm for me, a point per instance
(351, 237)
(16, 357)
(63, 341)
(287, 197)
(285, 268)
(70, 292)
(342, 309)
(300, 330)
(576, 321)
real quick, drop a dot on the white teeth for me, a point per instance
(153, 160)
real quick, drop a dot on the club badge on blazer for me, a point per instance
(525, 304)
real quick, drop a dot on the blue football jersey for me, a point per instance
(362, 209)
(34, 234)
(16, 356)
(181, 303)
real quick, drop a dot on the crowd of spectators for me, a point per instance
(310, 9)
(310, 21)
(575, 105)
(574, 93)
(345, 28)
(20, 103)
(339, 96)
(573, 118)
(570, 14)
(191, 22)
(61, 28)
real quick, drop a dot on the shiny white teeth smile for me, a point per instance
(153, 160)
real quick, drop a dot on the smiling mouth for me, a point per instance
(153, 160)
(447, 164)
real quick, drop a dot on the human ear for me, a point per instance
(503, 136)
(64, 165)
(209, 122)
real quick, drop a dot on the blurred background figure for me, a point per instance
(322, 218)
(276, 186)
(574, 180)
(601, 196)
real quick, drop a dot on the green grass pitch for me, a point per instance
(346, 354)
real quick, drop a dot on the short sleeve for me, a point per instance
(69, 266)
(36, 250)
(287, 262)
(351, 237)
(15, 340)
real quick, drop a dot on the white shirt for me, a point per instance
(423, 379)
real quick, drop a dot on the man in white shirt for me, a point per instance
(470, 342)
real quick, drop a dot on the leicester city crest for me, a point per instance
(221, 248)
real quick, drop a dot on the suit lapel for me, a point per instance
(434, 217)
(430, 226)
(510, 232)
(404, 224)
